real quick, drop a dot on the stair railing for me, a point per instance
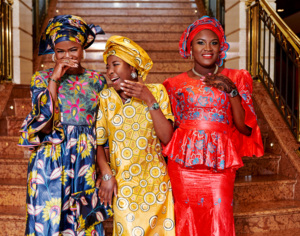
(6, 54)
(273, 54)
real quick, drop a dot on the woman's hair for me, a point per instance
(203, 23)
(67, 28)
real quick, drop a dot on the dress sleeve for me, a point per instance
(248, 145)
(164, 103)
(173, 100)
(101, 123)
(41, 113)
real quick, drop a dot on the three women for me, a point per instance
(215, 126)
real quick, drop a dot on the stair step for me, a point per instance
(12, 220)
(255, 217)
(118, 12)
(144, 36)
(13, 168)
(8, 146)
(159, 1)
(289, 232)
(22, 106)
(106, 19)
(263, 188)
(120, 29)
(13, 192)
(122, 5)
(268, 164)
(14, 125)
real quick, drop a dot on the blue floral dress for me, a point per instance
(62, 163)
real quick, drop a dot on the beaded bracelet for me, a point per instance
(53, 80)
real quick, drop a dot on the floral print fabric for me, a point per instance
(144, 205)
(205, 133)
(62, 162)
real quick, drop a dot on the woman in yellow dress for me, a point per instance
(135, 118)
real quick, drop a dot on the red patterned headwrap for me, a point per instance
(203, 23)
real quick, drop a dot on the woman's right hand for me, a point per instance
(61, 66)
(106, 190)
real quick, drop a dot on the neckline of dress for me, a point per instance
(186, 73)
(85, 70)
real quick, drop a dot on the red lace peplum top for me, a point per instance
(205, 133)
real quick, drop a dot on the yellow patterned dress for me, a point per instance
(144, 206)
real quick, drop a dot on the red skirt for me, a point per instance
(203, 200)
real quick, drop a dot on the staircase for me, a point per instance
(264, 201)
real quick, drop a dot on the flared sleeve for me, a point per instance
(247, 145)
(175, 103)
(42, 112)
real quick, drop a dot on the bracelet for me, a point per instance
(107, 177)
(155, 106)
(53, 80)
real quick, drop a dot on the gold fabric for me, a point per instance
(144, 205)
(130, 52)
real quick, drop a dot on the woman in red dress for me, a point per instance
(215, 127)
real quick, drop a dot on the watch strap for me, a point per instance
(155, 106)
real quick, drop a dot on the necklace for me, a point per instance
(196, 73)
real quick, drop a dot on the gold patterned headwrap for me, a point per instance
(130, 52)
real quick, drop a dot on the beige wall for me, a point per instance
(22, 41)
(235, 30)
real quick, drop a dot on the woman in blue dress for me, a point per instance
(61, 194)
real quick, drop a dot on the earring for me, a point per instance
(84, 54)
(133, 75)
(54, 58)
(191, 54)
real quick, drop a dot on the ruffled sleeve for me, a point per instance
(41, 113)
(247, 145)
(175, 104)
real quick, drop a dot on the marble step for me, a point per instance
(145, 12)
(8, 146)
(170, 67)
(289, 232)
(13, 192)
(22, 106)
(263, 188)
(12, 220)
(160, 37)
(120, 29)
(129, 19)
(122, 5)
(14, 168)
(14, 124)
(261, 217)
(146, 45)
(128, 1)
(268, 164)
(154, 55)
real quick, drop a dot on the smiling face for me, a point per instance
(205, 48)
(118, 70)
(68, 50)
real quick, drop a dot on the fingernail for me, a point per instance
(125, 80)
(209, 73)
(203, 77)
(122, 83)
(124, 92)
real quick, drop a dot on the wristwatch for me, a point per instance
(233, 93)
(155, 106)
(107, 177)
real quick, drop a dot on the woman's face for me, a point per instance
(68, 50)
(118, 70)
(205, 48)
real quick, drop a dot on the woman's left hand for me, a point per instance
(138, 90)
(219, 81)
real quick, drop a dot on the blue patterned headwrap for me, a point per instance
(67, 28)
